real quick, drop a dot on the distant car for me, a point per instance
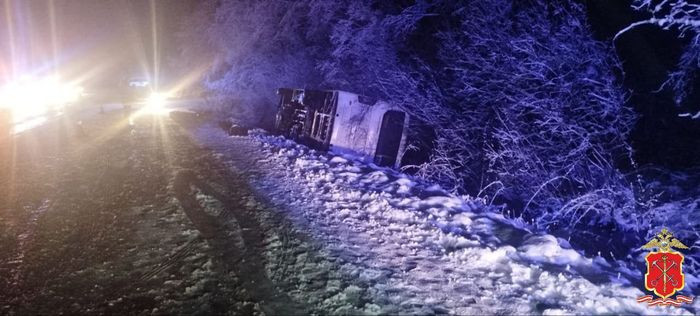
(137, 91)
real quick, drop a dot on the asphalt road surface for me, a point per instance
(106, 217)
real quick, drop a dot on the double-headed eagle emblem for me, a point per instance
(664, 276)
(664, 241)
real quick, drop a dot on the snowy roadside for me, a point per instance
(391, 244)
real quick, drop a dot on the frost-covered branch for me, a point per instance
(683, 16)
(679, 14)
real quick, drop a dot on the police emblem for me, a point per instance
(664, 275)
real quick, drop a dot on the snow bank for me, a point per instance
(409, 247)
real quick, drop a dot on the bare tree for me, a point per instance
(683, 16)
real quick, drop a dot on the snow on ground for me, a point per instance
(391, 244)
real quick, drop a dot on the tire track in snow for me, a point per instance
(246, 261)
(189, 248)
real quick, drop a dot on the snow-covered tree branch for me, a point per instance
(683, 16)
(667, 14)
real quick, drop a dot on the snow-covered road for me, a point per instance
(371, 240)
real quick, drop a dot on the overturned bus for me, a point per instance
(343, 122)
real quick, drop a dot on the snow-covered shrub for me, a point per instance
(255, 47)
(676, 206)
(536, 96)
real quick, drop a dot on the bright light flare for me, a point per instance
(30, 98)
(155, 104)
